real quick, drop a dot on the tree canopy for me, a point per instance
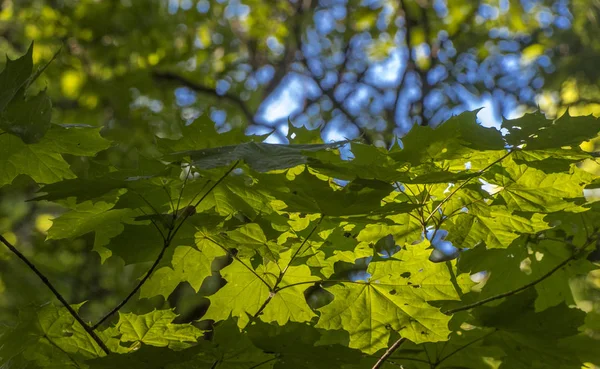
(292, 184)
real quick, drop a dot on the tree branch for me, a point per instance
(389, 352)
(136, 288)
(42, 277)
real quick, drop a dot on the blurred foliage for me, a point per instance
(347, 66)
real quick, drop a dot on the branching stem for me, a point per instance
(168, 239)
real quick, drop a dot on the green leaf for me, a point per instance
(458, 137)
(245, 293)
(230, 349)
(538, 133)
(250, 237)
(292, 342)
(188, 265)
(14, 77)
(145, 357)
(27, 118)
(60, 327)
(156, 329)
(396, 297)
(491, 225)
(530, 339)
(43, 161)
(524, 188)
(87, 217)
(308, 194)
(259, 156)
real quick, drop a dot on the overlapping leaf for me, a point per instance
(396, 297)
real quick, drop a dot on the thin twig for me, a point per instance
(137, 287)
(263, 363)
(187, 214)
(389, 352)
(60, 298)
(465, 182)
(187, 175)
(154, 223)
(62, 350)
(149, 204)
(526, 286)
(170, 199)
(438, 362)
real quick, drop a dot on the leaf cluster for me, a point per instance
(324, 262)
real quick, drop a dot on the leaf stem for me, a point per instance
(57, 294)
(187, 214)
(137, 287)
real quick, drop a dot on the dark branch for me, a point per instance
(389, 352)
(60, 298)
